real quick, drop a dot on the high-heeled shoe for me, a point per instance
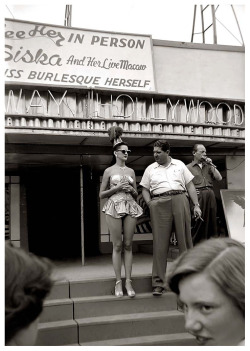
(130, 290)
(118, 289)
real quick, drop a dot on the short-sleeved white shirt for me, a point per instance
(158, 179)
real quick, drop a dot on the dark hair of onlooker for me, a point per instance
(27, 282)
(164, 145)
(222, 260)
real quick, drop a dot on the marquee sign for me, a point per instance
(43, 54)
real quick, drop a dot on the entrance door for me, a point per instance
(53, 207)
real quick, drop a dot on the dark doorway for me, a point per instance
(53, 208)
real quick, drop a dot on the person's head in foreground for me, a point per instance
(27, 282)
(210, 283)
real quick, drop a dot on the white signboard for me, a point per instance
(41, 54)
(234, 208)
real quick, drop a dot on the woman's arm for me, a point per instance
(134, 192)
(103, 189)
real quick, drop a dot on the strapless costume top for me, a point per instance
(121, 203)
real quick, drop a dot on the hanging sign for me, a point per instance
(43, 54)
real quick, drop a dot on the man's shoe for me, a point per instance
(158, 291)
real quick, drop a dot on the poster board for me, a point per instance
(45, 54)
(234, 208)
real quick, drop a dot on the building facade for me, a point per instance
(60, 101)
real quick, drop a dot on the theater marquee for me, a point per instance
(42, 54)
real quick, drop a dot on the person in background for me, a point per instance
(121, 209)
(205, 172)
(27, 283)
(166, 184)
(210, 283)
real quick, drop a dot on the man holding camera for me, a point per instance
(205, 173)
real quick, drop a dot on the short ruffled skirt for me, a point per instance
(122, 204)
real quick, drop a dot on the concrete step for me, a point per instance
(130, 325)
(83, 312)
(57, 310)
(57, 333)
(101, 287)
(177, 339)
(60, 290)
(85, 307)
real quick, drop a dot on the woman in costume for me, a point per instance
(121, 209)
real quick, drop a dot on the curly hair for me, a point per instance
(222, 259)
(27, 283)
(163, 144)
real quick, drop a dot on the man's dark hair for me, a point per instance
(164, 145)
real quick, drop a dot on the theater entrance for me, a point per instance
(54, 214)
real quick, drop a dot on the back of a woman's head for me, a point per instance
(223, 260)
(27, 282)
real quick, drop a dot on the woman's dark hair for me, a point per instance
(119, 144)
(222, 260)
(115, 134)
(27, 282)
(114, 149)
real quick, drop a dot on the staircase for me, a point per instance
(87, 313)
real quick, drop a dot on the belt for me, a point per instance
(204, 188)
(170, 192)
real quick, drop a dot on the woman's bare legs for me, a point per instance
(115, 228)
(129, 224)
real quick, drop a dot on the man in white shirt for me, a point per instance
(166, 183)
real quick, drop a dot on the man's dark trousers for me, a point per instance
(164, 212)
(204, 230)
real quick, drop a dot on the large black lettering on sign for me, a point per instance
(36, 53)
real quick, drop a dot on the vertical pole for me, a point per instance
(24, 240)
(214, 24)
(82, 216)
(192, 36)
(68, 16)
(238, 25)
(15, 210)
(202, 25)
